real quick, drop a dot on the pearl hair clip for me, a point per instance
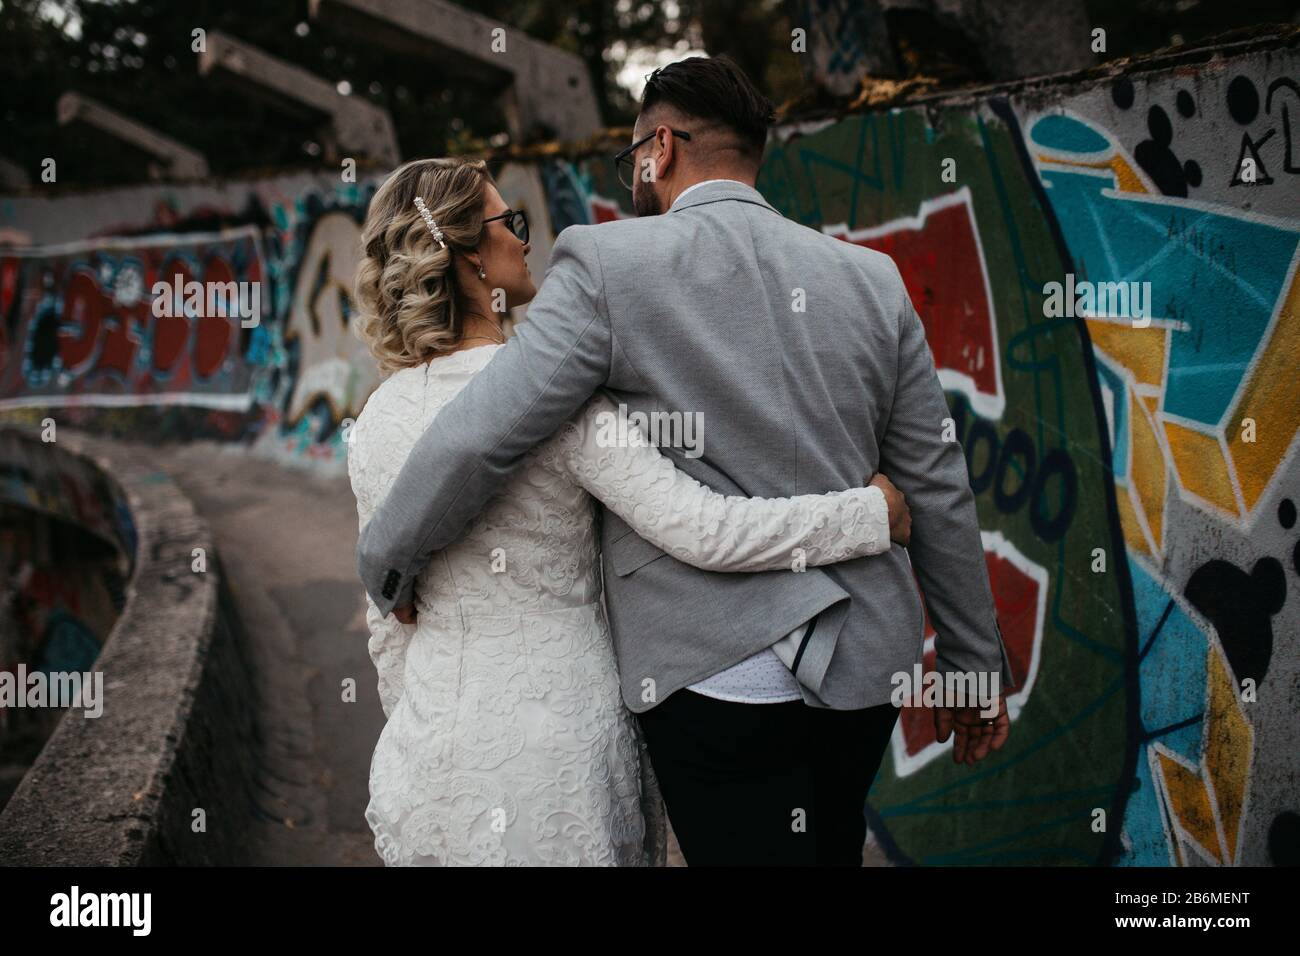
(429, 220)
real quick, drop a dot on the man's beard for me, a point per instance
(645, 201)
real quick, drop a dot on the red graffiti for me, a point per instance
(95, 323)
(1017, 594)
(214, 333)
(171, 333)
(83, 318)
(8, 293)
(602, 210)
(120, 344)
(939, 255)
(8, 284)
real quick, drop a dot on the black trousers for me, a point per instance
(766, 784)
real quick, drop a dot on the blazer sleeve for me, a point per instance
(946, 550)
(701, 527)
(537, 380)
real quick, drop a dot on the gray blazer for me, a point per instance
(697, 310)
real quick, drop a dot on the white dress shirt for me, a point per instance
(758, 679)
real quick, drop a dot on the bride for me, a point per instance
(507, 741)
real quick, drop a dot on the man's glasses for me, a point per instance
(516, 222)
(625, 163)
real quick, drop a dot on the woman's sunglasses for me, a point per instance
(516, 222)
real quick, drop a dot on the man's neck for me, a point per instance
(718, 177)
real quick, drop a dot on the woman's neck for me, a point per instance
(478, 331)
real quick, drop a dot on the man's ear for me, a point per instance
(667, 150)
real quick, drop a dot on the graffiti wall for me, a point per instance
(1107, 274)
(88, 336)
(947, 197)
(1189, 184)
(1134, 467)
(1132, 449)
(91, 342)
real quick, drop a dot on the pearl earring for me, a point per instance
(481, 273)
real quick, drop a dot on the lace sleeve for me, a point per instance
(387, 644)
(701, 527)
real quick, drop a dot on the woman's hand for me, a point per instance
(900, 516)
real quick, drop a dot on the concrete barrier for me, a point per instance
(164, 774)
(172, 160)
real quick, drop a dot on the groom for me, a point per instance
(764, 698)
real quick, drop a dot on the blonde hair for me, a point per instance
(406, 283)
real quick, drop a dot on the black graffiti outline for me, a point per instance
(1283, 82)
(1111, 847)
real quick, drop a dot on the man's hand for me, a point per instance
(405, 613)
(976, 735)
(900, 516)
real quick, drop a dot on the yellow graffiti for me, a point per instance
(1206, 804)
(1218, 467)
(1126, 178)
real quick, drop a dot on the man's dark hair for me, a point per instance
(713, 88)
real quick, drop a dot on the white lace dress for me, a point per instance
(507, 741)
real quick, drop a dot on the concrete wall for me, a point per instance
(163, 774)
(1137, 483)
(66, 545)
